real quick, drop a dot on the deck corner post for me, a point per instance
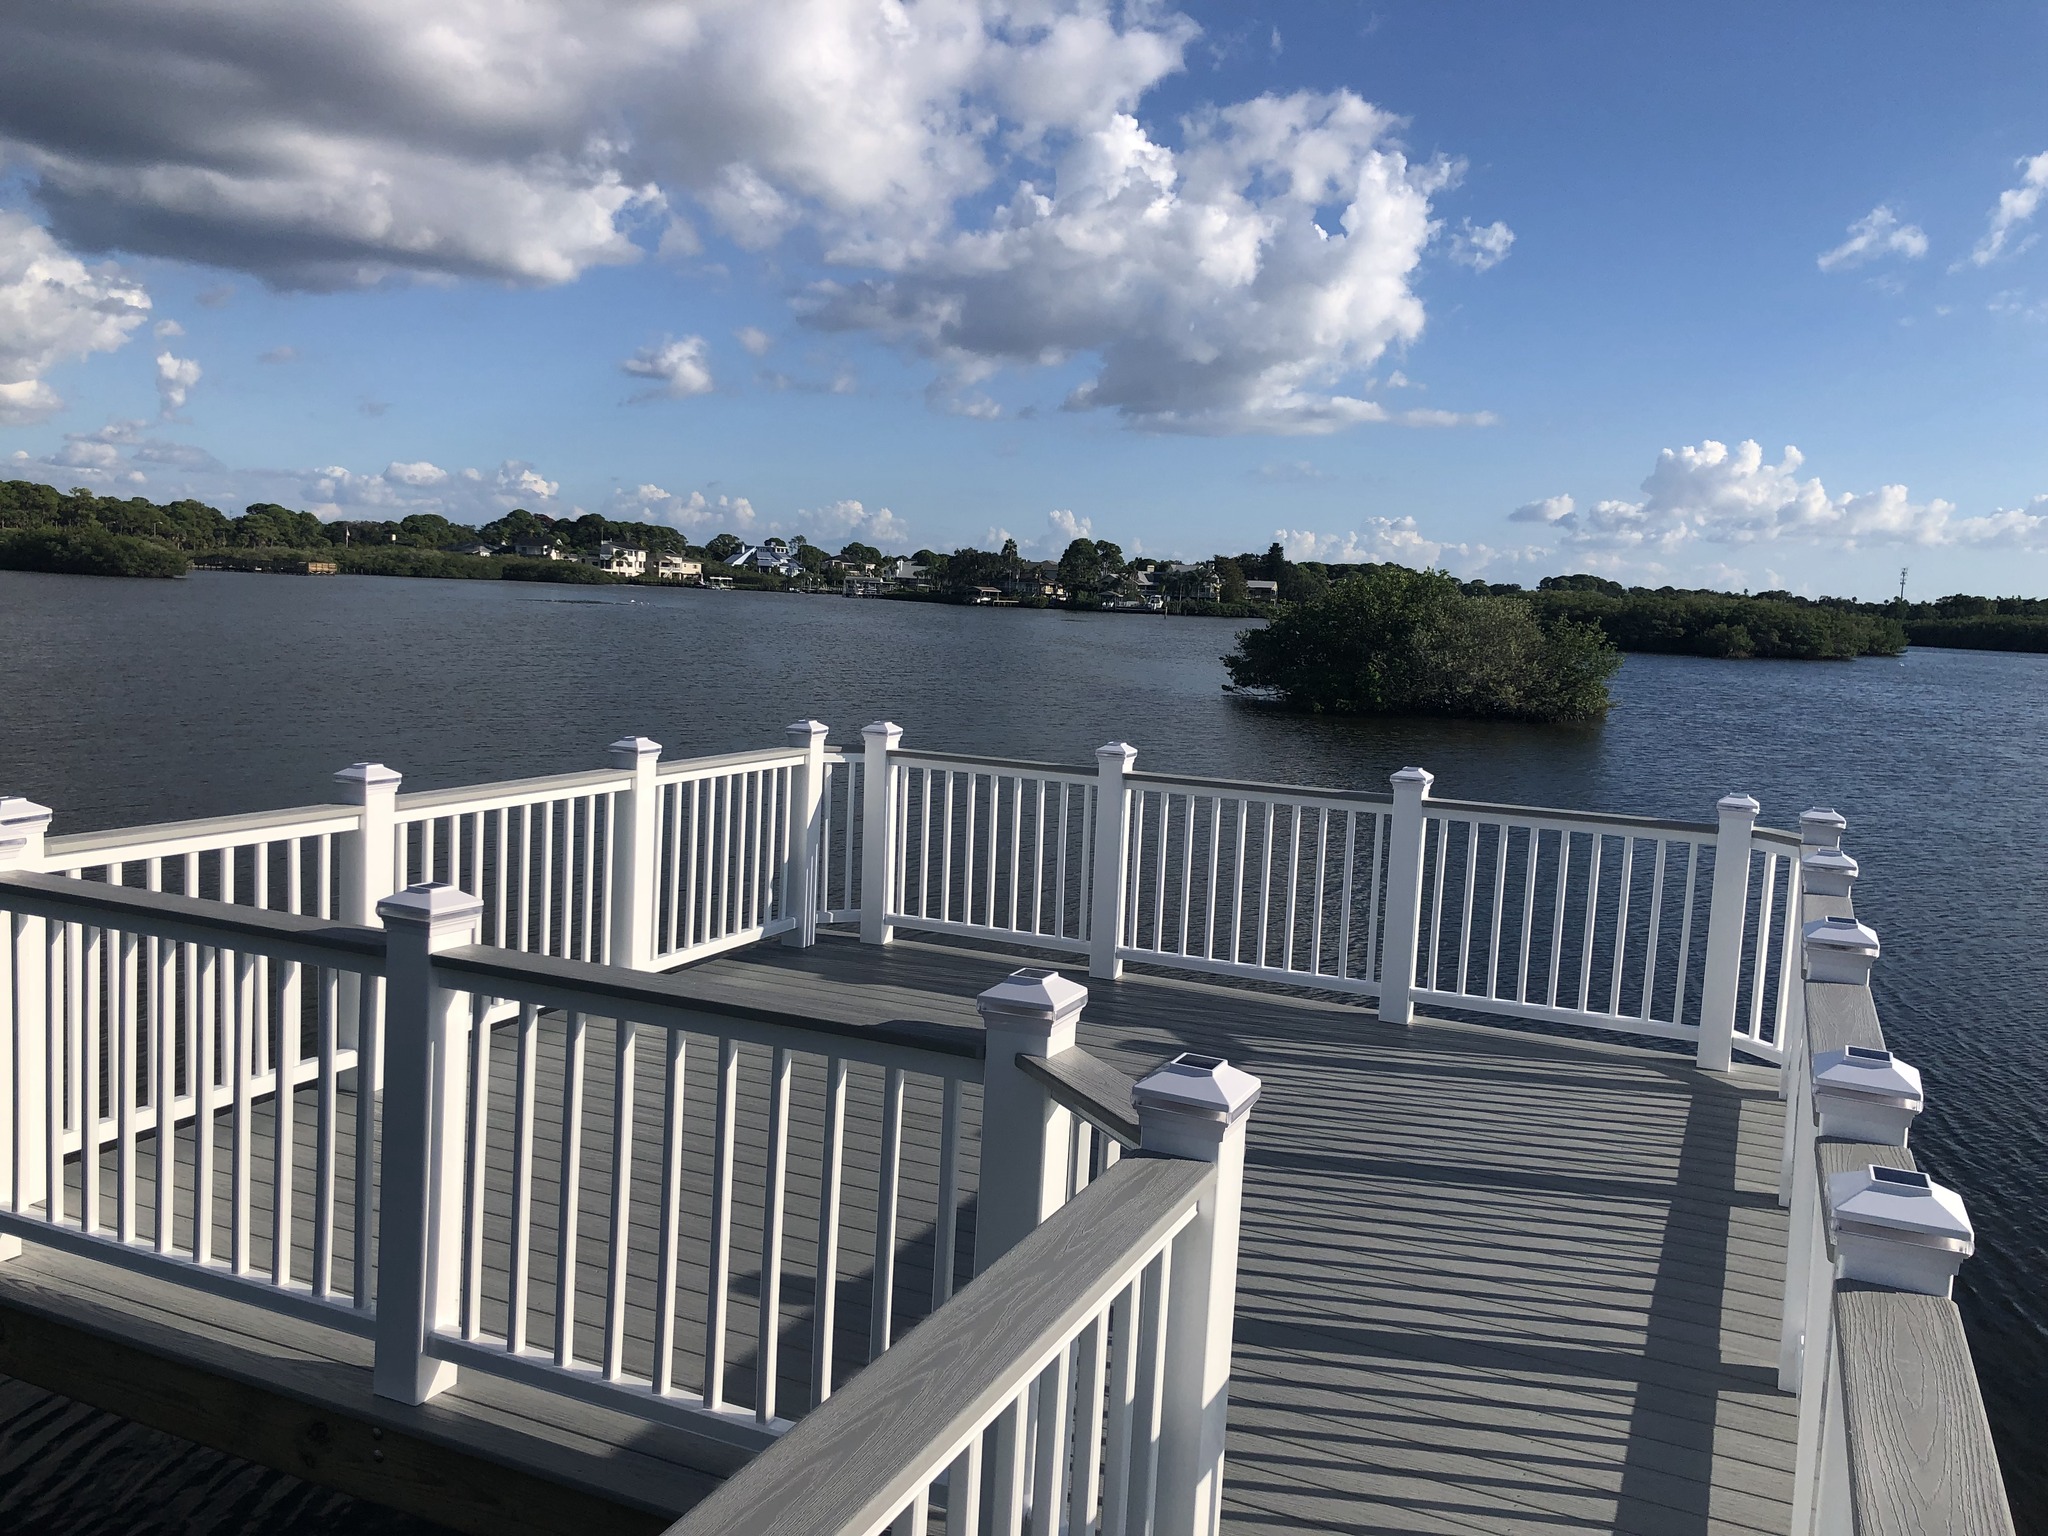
(419, 1222)
(1727, 912)
(801, 868)
(367, 861)
(1109, 877)
(1196, 1107)
(24, 1081)
(878, 832)
(1026, 1137)
(637, 829)
(1402, 924)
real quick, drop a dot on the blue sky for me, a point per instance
(1507, 288)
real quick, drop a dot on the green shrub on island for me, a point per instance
(1392, 641)
(1982, 632)
(1732, 625)
(88, 552)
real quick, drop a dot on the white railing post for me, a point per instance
(1109, 876)
(24, 1082)
(878, 833)
(426, 1068)
(367, 860)
(1026, 1138)
(1196, 1107)
(1727, 913)
(636, 858)
(1403, 916)
(806, 833)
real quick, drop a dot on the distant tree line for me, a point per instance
(82, 531)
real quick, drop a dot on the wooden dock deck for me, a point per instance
(1491, 1281)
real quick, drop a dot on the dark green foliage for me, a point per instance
(1990, 632)
(88, 552)
(1722, 624)
(1392, 641)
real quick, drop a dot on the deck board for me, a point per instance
(1491, 1280)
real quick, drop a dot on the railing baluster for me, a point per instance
(720, 1259)
(881, 1318)
(1465, 934)
(775, 1179)
(1012, 1469)
(675, 1107)
(1016, 842)
(1692, 871)
(1055, 1393)
(95, 953)
(1628, 875)
(283, 1119)
(625, 1036)
(1564, 859)
(570, 1207)
(244, 1069)
(327, 1022)
(946, 1221)
(963, 1492)
(1265, 883)
(1091, 1369)
(545, 945)
(824, 1320)
(126, 1090)
(1585, 994)
(1293, 883)
(1442, 824)
(1122, 1391)
(1650, 940)
(1757, 968)
(369, 1072)
(477, 1170)
(990, 851)
(1532, 847)
(1500, 884)
(520, 1259)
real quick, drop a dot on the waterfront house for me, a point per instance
(618, 559)
(1262, 591)
(773, 555)
(540, 549)
(678, 568)
(472, 548)
(863, 586)
(908, 573)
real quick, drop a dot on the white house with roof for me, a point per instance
(618, 559)
(773, 555)
(678, 568)
(539, 549)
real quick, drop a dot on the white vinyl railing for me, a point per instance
(174, 1086)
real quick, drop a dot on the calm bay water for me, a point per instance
(124, 702)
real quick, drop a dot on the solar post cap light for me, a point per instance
(1866, 1094)
(1822, 827)
(1840, 949)
(1897, 1228)
(1827, 872)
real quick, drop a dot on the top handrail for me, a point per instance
(1260, 790)
(682, 1000)
(1777, 835)
(719, 762)
(188, 919)
(1015, 765)
(515, 791)
(852, 1464)
(1481, 809)
(156, 838)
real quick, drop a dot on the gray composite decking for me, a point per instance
(1491, 1281)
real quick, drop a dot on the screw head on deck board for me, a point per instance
(1828, 871)
(1822, 827)
(1207, 1087)
(1866, 1094)
(1033, 996)
(1840, 949)
(1896, 1227)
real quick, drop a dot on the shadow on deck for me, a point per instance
(1491, 1281)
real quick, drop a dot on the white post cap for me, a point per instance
(1896, 1227)
(1117, 749)
(630, 749)
(432, 906)
(1420, 776)
(1822, 827)
(1840, 949)
(1032, 996)
(1205, 1087)
(20, 814)
(363, 775)
(12, 851)
(1828, 871)
(888, 728)
(1866, 1094)
(807, 730)
(1737, 805)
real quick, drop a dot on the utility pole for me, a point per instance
(1902, 582)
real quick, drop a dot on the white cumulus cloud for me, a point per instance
(754, 339)
(1481, 248)
(1398, 541)
(418, 473)
(696, 514)
(1877, 233)
(2015, 209)
(175, 377)
(53, 307)
(1711, 494)
(839, 522)
(679, 366)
